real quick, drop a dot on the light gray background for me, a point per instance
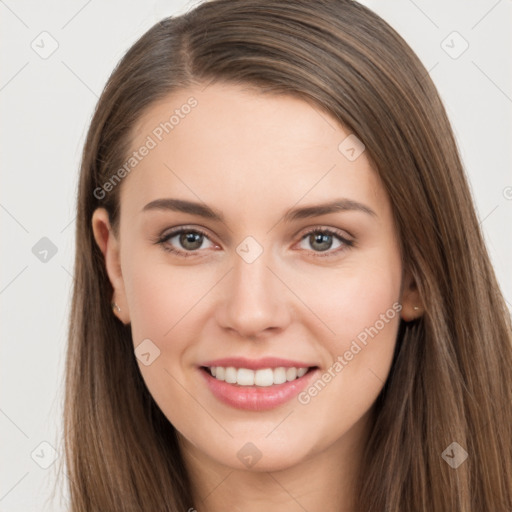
(46, 105)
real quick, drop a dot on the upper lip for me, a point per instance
(257, 364)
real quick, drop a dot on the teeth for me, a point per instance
(263, 377)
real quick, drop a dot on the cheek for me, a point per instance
(161, 299)
(348, 300)
(164, 304)
(361, 306)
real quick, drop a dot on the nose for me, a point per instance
(253, 300)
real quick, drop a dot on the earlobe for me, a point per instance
(110, 248)
(412, 304)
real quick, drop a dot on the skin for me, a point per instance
(254, 156)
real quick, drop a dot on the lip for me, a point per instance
(256, 398)
(257, 364)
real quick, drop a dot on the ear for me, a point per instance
(110, 247)
(412, 305)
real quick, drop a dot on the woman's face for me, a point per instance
(247, 177)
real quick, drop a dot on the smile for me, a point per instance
(255, 390)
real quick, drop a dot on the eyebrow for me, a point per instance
(202, 210)
(338, 205)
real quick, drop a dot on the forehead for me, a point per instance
(232, 145)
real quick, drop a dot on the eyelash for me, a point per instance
(347, 244)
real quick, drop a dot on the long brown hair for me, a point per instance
(450, 380)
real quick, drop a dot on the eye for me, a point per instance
(187, 242)
(322, 240)
(184, 241)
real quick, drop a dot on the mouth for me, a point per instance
(257, 390)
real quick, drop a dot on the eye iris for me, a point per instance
(325, 241)
(190, 240)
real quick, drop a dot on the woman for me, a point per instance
(282, 300)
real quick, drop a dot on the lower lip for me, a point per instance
(256, 398)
